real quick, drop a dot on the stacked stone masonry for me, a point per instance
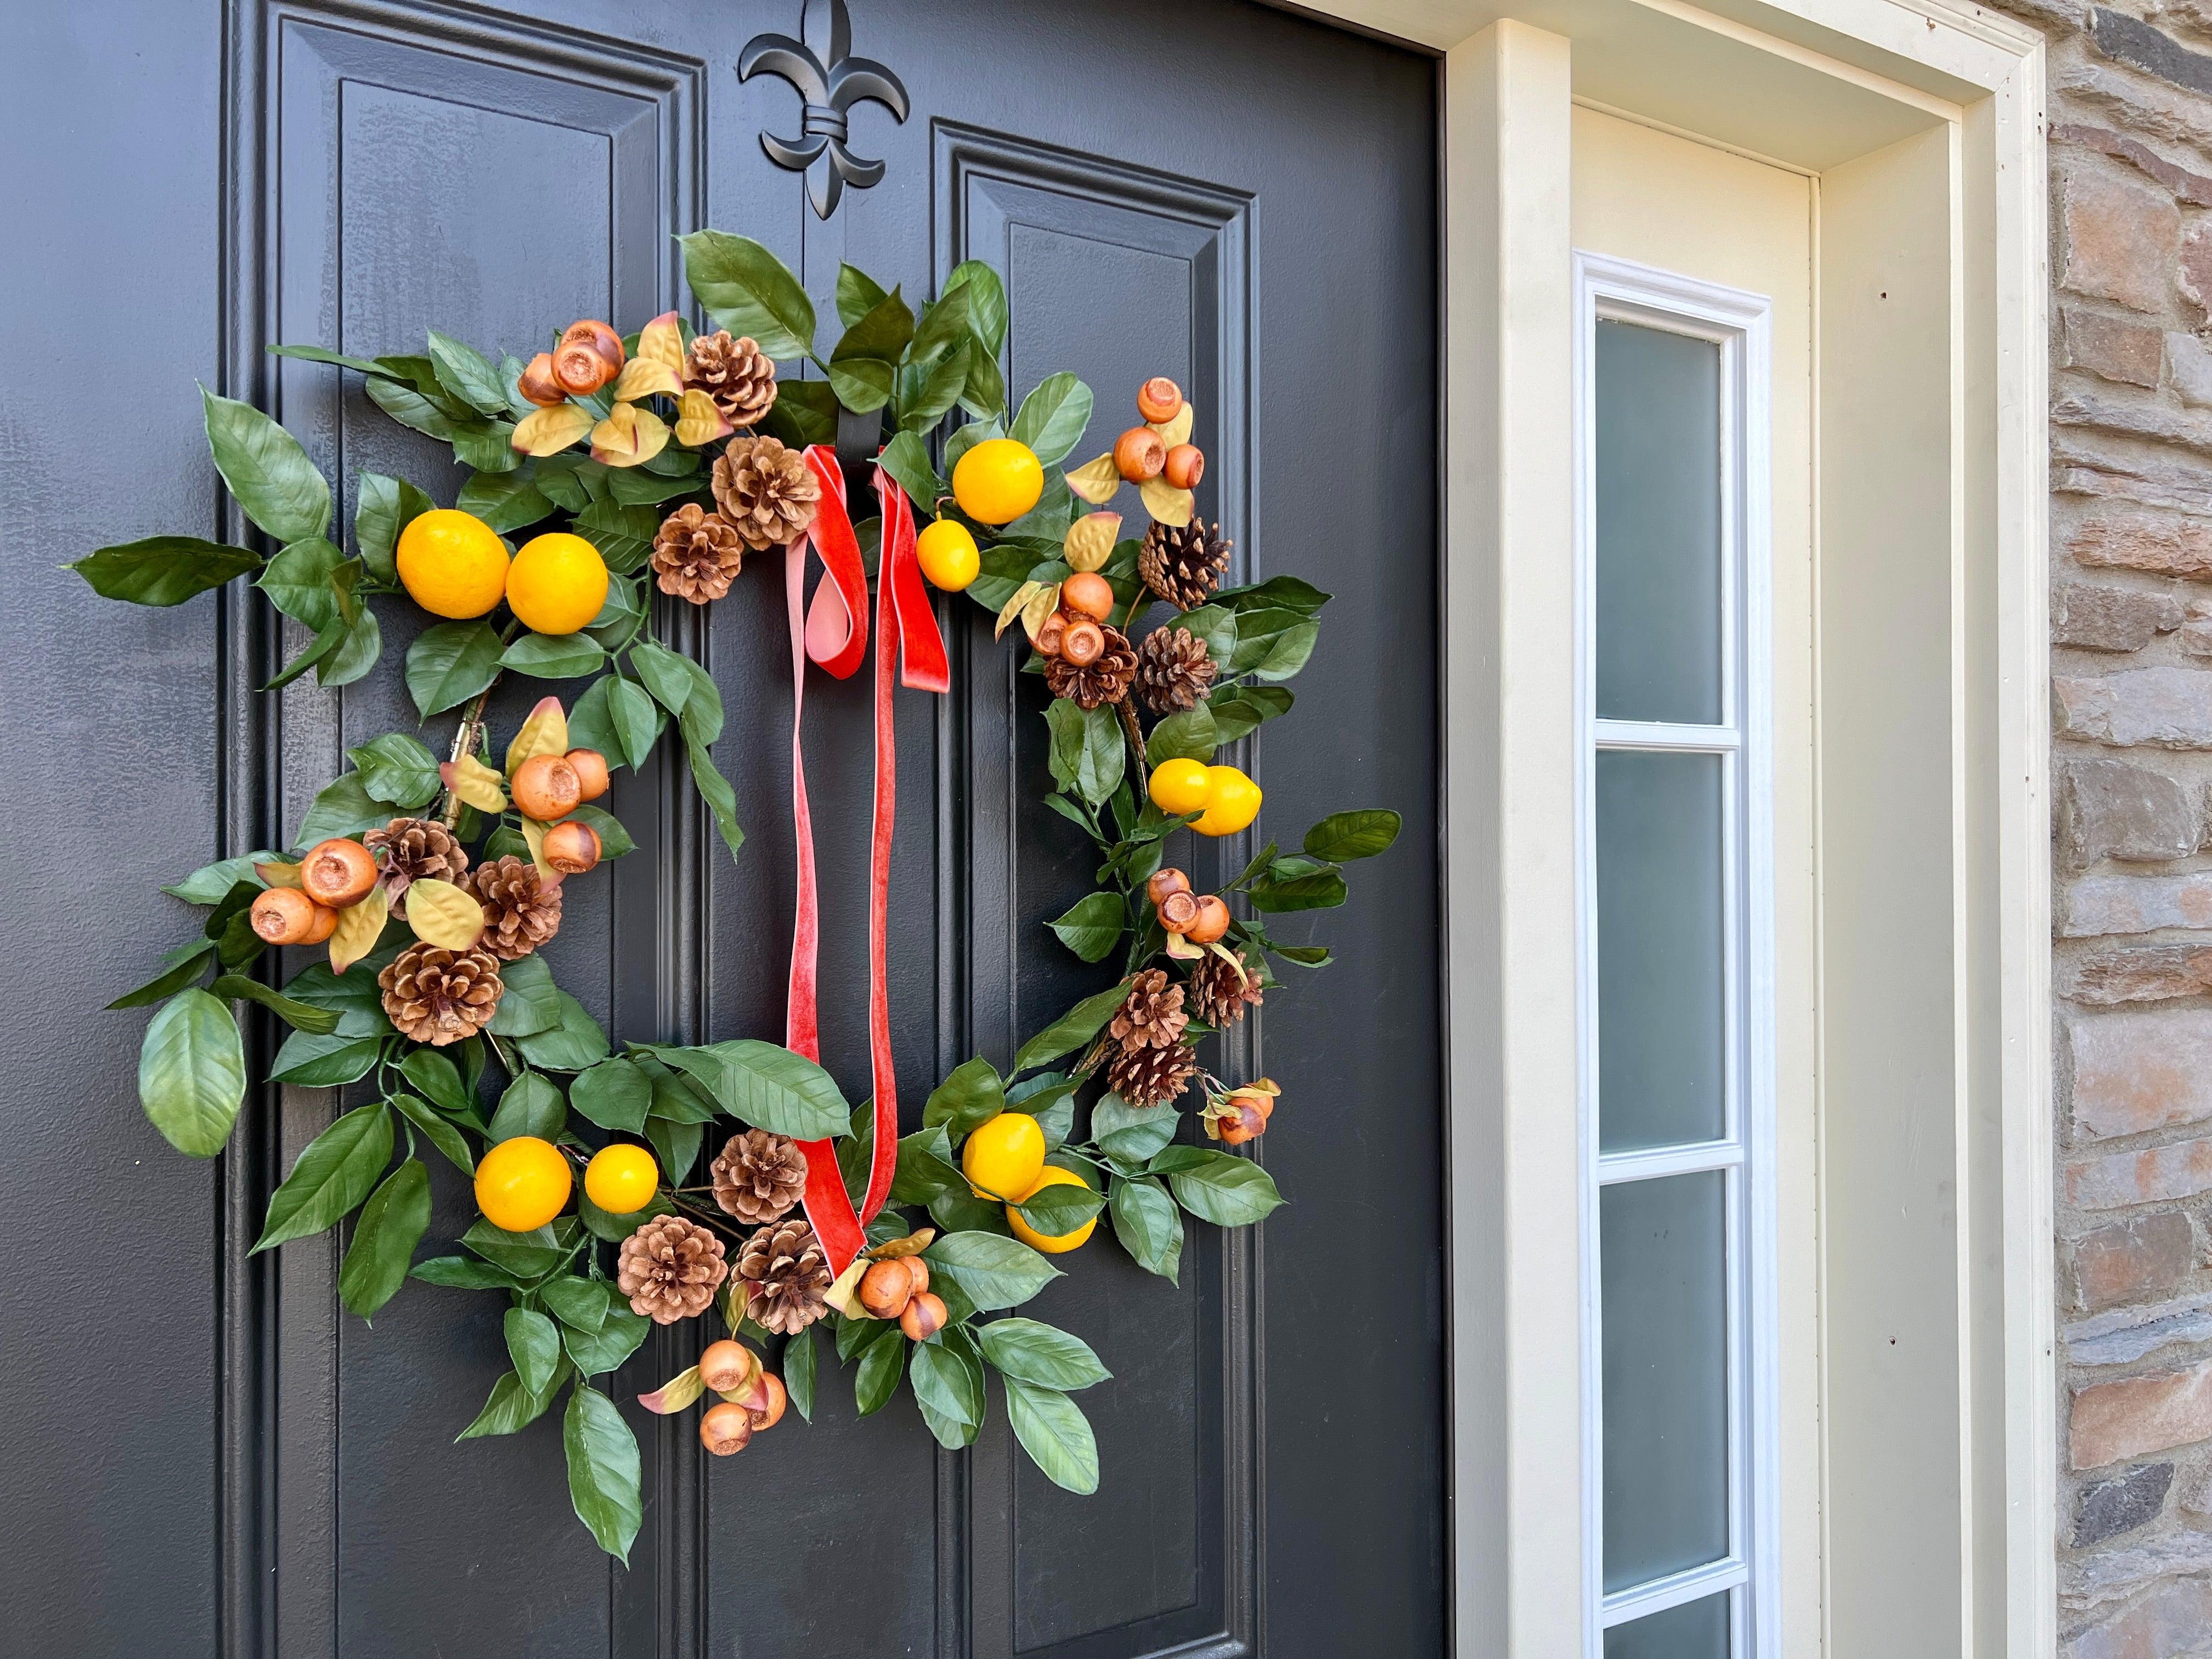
(2131, 128)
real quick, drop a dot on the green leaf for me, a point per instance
(986, 300)
(906, 457)
(1146, 1223)
(1055, 1434)
(313, 354)
(300, 1016)
(356, 652)
(467, 373)
(925, 396)
(338, 1168)
(406, 404)
(459, 1273)
(529, 1003)
(526, 1255)
(613, 1094)
(580, 1303)
(1306, 956)
(343, 807)
(1221, 1188)
(191, 1073)
(858, 294)
(983, 393)
(505, 499)
(1297, 883)
(1073, 1029)
(765, 1085)
(1049, 1097)
(572, 1045)
(1240, 709)
(714, 788)
(1342, 836)
(1277, 592)
(309, 1061)
(534, 1344)
(391, 1224)
(1061, 1208)
(1038, 1353)
(622, 535)
(449, 664)
(877, 1379)
(554, 656)
(1093, 927)
(1188, 735)
(972, 1096)
(354, 996)
(172, 980)
(297, 581)
(805, 412)
(882, 335)
(268, 472)
(442, 1135)
(438, 1078)
(532, 1106)
(1052, 418)
(213, 882)
(925, 1168)
(666, 675)
(1288, 652)
(958, 1210)
(1132, 1133)
(617, 1338)
(603, 1462)
(748, 290)
(1102, 757)
(946, 323)
(943, 1384)
(633, 486)
(614, 839)
(396, 770)
(487, 447)
(163, 570)
(862, 384)
(616, 718)
(798, 1372)
(512, 1406)
(995, 1273)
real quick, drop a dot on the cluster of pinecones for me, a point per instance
(1150, 1063)
(764, 496)
(671, 1268)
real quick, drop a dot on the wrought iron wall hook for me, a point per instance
(830, 80)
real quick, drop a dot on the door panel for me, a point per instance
(1251, 211)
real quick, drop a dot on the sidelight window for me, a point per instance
(1675, 943)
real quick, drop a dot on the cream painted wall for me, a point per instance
(1699, 211)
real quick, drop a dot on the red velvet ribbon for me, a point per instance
(835, 633)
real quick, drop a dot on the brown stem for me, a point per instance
(464, 743)
(1136, 737)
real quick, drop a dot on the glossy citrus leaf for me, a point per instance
(359, 927)
(550, 431)
(442, 915)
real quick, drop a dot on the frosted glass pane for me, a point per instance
(1696, 1629)
(1657, 463)
(1663, 1277)
(1659, 931)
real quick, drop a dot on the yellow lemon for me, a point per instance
(1050, 1243)
(620, 1179)
(948, 555)
(522, 1183)
(1004, 1157)
(997, 481)
(558, 585)
(1181, 785)
(452, 564)
(1232, 802)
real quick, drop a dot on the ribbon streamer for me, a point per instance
(833, 633)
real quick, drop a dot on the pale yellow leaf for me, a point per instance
(1176, 431)
(1090, 541)
(1233, 959)
(673, 1395)
(642, 377)
(278, 875)
(1166, 503)
(1015, 606)
(359, 927)
(840, 1295)
(545, 733)
(442, 915)
(533, 833)
(1096, 481)
(550, 431)
(661, 341)
(699, 420)
(1042, 606)
(912, 1244)
(1178, 947)
(629, 437)
(475, 784)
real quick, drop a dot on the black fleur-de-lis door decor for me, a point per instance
(830, 80)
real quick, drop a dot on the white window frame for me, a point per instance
(1611, 289)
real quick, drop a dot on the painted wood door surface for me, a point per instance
(203, 1454)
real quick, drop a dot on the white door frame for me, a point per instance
(1902, 108)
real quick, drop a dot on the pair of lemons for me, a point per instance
(1229, 799)
(994, 483)
(454, 564)
(1005, 1159)
(524, 1183)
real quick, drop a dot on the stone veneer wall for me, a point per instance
(2131, 130)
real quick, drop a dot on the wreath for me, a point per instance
(620, 1190)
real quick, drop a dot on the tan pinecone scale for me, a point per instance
(1151, 1016)
(786, 1275)
(758, 1176)
(1104, 680)
(765, 491)
(438, 996)
(1183, 565)
(1217, 995)
(670, 1269)
(695, 555)
(1173, 670)
(520, 912)
(736, 373)
(409, 850)
(1150, 1076)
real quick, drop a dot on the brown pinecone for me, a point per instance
(1106, 678)
(1150, 1076)
(785, 1276)
(758, 1176)
(520, 912)
(736, 373)
(438, 996)
(697, 556)
(1217, 995)
(1173, 670)
(1184, 566)
(414, 849)
(670, 1269)
(765, 491)
(1151, 1015)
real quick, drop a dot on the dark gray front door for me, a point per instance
(203, 1454)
